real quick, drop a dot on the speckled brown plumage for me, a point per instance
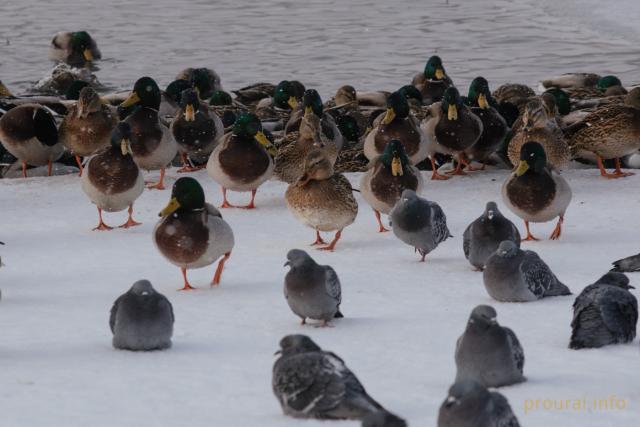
(243, 161)
(84, 136)
(388, 188)
(111, 172)
(531, 192)
(182, 236)
(404, 130)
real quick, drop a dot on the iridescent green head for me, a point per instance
(186, 195)
(312, 103)
(411, 92)
(451, 103)
(434, 70)
(608, 81)
(397, 108)
(563, 103)
(220, 97)
(82, 43)
(479, 94)
(284, 96)
(145, 93)
(395, 157)
(532, 158)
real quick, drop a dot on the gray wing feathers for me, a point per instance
(516, 349)
(502, 413)
(466, 241)
(619, 310)
(332, 284)
(438, 223)
(114, 312)
(536, 274)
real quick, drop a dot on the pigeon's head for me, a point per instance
(408, 196)
(615, 278)
(483, 316)
(142, 288)
(297, 258)
(383, 419)
(491, 211)
(465, 397)
(316, 167)
(507, 249)
(296, 344)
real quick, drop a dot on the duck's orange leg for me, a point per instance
(332, 245)
(187, 286)
(79, 162)
(225, 202)
(381, 229)
(251, 204)
(158, 185)
(467, 164)
(49, 168)
(216, 277)
(130, 222)
(529, 235)
(458, 170)
(558, 230)
(436, 175)
(186, 166)
(101, 225)
(24, 169)
(319, 240)
(618, 172)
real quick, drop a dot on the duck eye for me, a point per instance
(148, 88)
(531, 155)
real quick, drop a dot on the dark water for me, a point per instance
(369, 44)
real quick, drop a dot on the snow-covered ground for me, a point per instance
(402, 317)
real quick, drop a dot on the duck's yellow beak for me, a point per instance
(396, 167)
(482, 101)
(131, 100)
(171, 207)
(293, 102)
(88, 56)
(308, 111)
(4, 91)
(522, 168)
(189, 113)
(452, 112)
(439, 73)
(389, 116)
(125, 147)
(262, 139)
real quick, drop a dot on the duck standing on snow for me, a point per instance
(195, 129)
(112, 180)
(192, 233)
(75, 48)
(87, 127)
(535, 192)
(152, 145)
(242, 161)
(388, 176)
(322, 199)
(433, 81)
(30, 134)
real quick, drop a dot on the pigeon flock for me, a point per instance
(286, 132)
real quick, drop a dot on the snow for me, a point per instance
(402, 317)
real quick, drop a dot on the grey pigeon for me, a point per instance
(312, 290)
(312, 383)
(470, 404)
(483, 236)
(487, 352)
(383, 419)
(604, 313)
(419, 222)
(514, 275)
(628, 264)
(142, 319)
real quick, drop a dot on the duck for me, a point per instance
(242, 160)
(539, 124)
(152, 144)
(289, 162)
(610, 132)
(349, 117)
(75, 48)
(4, 91)
(535, 191)
(572, 80)
(170, 98)
(254, 93)
(321, 199)
(226, 108)
(204, 80)
(195, 130)
(605, 87)
(188, 218)
(285, 99)
(87, 127)
(513, 93)
(451, 128)
(387, 177)
(433, 81)
(494, 126)
(29, 133)
(397, 123)
(112, 179)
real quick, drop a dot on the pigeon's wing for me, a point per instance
(582, 302)
(537, 275)
(516, 348)
(438, 223)
(165, 303)
(502, 414)
(466, 240)
(114, 311)
(332, 284)
(619, 310)
(628, 264)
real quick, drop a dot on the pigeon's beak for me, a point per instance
(277, 353)
(145, 293)
(450, 401)
(493, 320)
(287, 264)
(490, 214)
(630, 287)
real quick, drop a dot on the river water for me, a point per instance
(370, 44)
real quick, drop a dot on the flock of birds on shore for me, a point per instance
(285, 131)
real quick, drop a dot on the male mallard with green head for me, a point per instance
(397, 123)
(433, 81)
(195, 130)
(242, 160)
(75, 48)
(606, 86)
(322, 199)
(87, 127)
(192, 233)
(387, 177)
(111, 178)
(536, 192)
(152, 144)
(285, 99)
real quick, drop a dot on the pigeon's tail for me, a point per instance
(338, 315)
(616, 267)
(557, 289)
(627, 265)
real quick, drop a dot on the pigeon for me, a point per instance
(312, 290)
(628, 264)
(383, 419)
(470, 404)
(487, 352)
(604, 313)
(142, 319)
(514, 275)
(419, 222)
(482, 236)
(312, 383)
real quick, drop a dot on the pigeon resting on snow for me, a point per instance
(419, 222)
(482, 236)
(604, 313)
(487, 352)
(628, 264)
(383, 419)
(514, 275)
(142, 319)
(470, 404)
(312, 383)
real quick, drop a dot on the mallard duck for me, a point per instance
(285, 99)
(4, 91)
(514, 93)
(289, 162)
(226, 108)
(30, 134)
(572, 80)
(252, 94)
(242, 160)
(170, 98)
(195, 129)
(312, 110)
(111, 178)
(562, 101)
(450, 129)
(350, 119)
(192, 233)
(610, 132)
(536, 192)
(152, 144)
(87, 127)
(397, 123)
(539, 124)
(433, 81)
(75, 48)
(606, 86)
(322, 199)
(494, 127)
(387, 177)
(204, 80)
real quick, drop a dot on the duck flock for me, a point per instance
(286, 132)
